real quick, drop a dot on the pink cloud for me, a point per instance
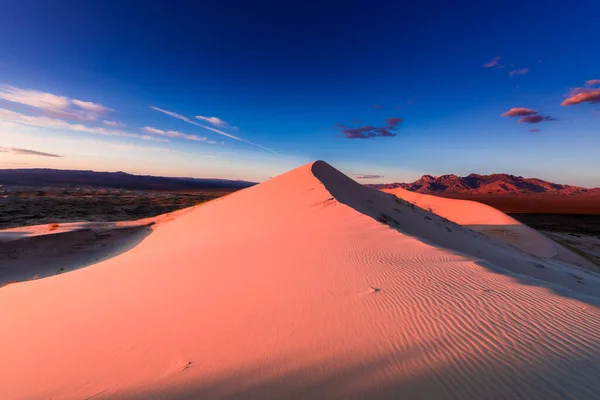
(93, 107)
(492, 63)
(593, 82)
(52, 105)
(534, 130)
(527, 115)
(393, 122)
(54, 123)
(582, 95)
(534, 119)
(70, 115)
(519, 112)
(369, 131)
(34, 98)
(522, 71)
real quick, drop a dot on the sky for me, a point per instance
(384, 91)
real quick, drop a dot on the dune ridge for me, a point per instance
(306, 286)
(491, 222)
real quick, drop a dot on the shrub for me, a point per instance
(384, 219)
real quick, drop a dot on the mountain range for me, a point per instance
(494, 184)
(116, 180)
(473, 184)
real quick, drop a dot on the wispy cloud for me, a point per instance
(53, 105)
(592, 82)
(521, 71)
(94, 107)
(213, 121)
(377, 106)
(27, 152)
(582, 95)
(174, 115)
(368, 176)
(527, 115)
(113, 124)
(368, 131)
(53, 123)
(534, 130)
(220, 132)
(519, 112)
(173, 134)
(494, 62)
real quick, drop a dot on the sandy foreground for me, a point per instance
(311, 286)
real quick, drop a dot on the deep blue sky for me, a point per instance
(286, 73)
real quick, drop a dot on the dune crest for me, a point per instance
(306, 286)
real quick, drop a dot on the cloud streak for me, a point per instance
(53, 123)
(369, 131)
(521, 71)
(519, 112)
(173, 134)
(93, 107)
(534, 119)
(494, 62)
(220, 132)
(218, 122)
(53, 105)
(113, 124)
(592, 82)
(27, 152)
(527, 115)
(582, 95)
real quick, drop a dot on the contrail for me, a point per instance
(189, 121)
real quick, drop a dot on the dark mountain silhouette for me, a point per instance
(116, 180)
(495, 184)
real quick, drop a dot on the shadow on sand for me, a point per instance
(42, 256)
(407, 218)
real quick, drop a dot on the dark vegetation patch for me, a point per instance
(22, 206)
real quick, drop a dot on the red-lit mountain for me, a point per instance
(495, 184)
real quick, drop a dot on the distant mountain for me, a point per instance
(116, 180)
(496, 184)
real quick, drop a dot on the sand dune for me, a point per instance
(306, 286)
(492, 222)
(37, 252)
(482, 218)
(40, 251)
